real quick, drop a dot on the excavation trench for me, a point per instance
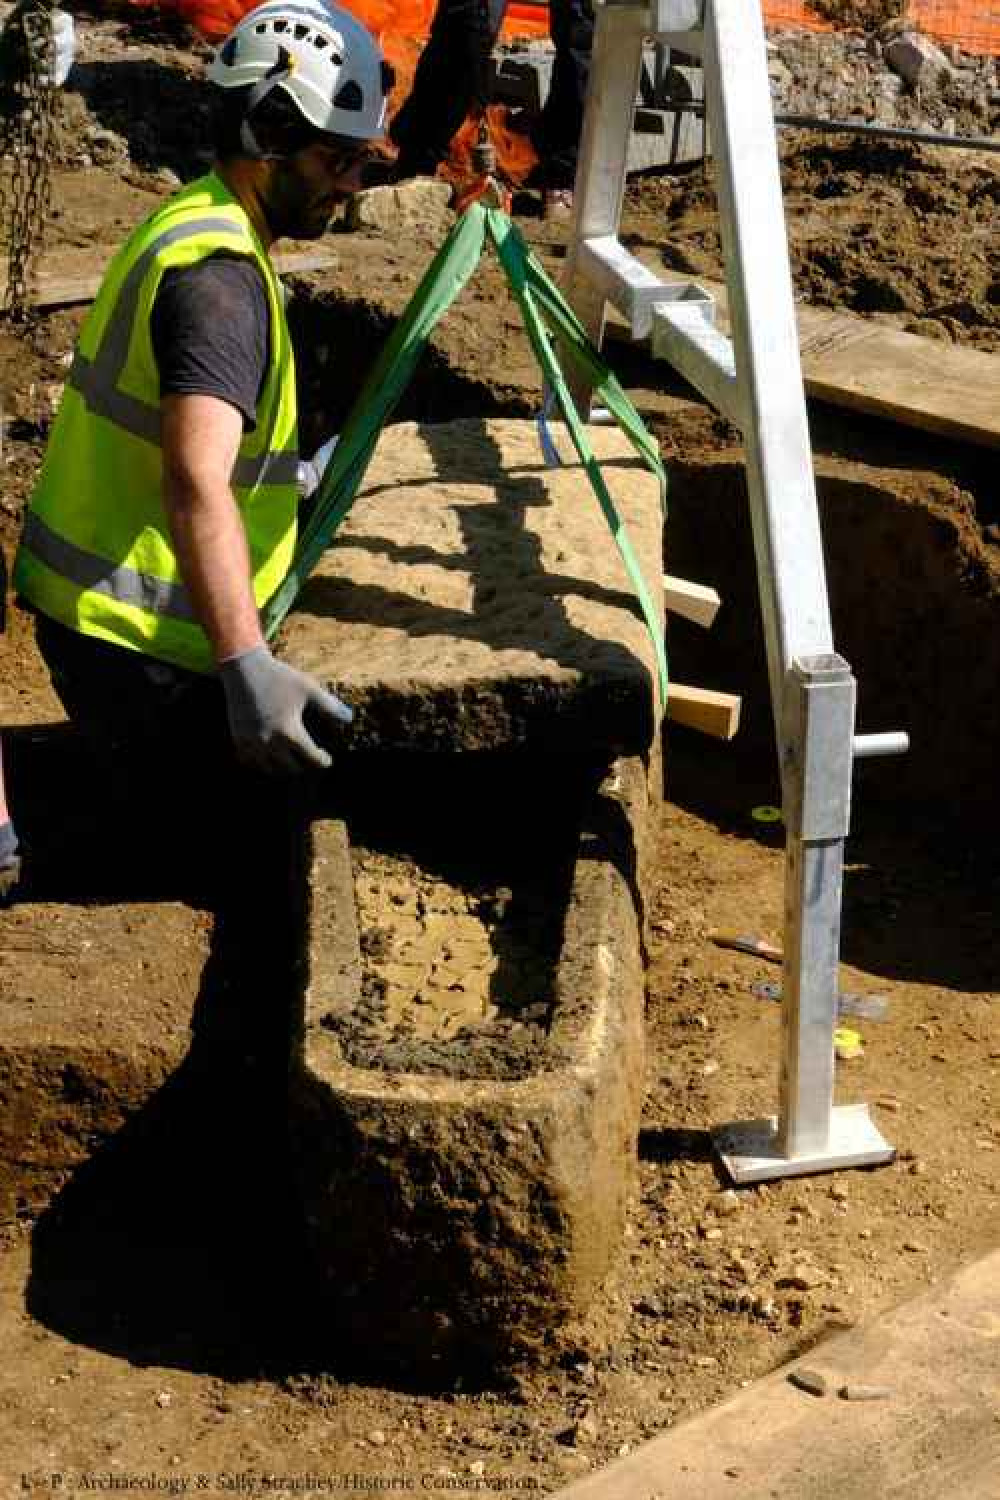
(910, 535)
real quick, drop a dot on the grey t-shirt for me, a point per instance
(210, 328)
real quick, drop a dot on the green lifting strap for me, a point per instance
(551, 324)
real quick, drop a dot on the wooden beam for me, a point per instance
(854, 362)
(694, 601)
(869, 367)
(63, 288)
(704, 709)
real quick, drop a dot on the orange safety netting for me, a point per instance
(973, 24)
(401, 27)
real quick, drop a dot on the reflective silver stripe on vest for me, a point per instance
(106, 400)
(267, 468)
(96, 380)
(96, 574)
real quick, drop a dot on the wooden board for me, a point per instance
(936, 1436)
(901, 377)
(693, 601)
(65, 286)
(704, 709)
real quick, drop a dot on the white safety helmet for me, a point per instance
(320, 55)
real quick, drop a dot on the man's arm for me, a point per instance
(200, 438)
(266, 699)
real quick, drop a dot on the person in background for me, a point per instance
(450, 75)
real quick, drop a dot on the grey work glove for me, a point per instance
(266, 700)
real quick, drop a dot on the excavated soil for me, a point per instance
(157, 1317)
(866, 15)
(876, 228)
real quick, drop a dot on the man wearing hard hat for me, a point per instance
(165, 514)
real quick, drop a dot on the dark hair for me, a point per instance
(278, 127)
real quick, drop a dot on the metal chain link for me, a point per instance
(27, 124)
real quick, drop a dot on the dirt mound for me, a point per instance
(874, 228)
(866, 15)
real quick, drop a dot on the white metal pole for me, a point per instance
(616, 60)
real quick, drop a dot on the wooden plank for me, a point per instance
(869, 367)
(63, 288)
(694, 601)
(704, 709)
(935, 1436)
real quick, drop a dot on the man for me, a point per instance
(164, 517)
(451, 72)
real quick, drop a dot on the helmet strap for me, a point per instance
(283, 68)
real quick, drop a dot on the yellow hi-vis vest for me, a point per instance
(96, 552)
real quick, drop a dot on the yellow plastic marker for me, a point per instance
(848, 1044)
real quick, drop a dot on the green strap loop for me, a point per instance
(547, 317)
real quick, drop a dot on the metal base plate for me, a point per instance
(749, 1148)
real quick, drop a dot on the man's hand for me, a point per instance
(266, 700)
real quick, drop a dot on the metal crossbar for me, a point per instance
(755, 379)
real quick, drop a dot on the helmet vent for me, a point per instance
(350, 97)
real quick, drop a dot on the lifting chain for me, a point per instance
(487, 185)
(27, 121)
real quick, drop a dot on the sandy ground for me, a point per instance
(155, 1318)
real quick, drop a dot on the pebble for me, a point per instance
(839, 1194)
(586, 1429)
(727, 1203)
(914, 1247)
(859, 1392)
(478, 1469)
(802, 1278)
(810, 1381)
(377, 1438)
(164, 1399)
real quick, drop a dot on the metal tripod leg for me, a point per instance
(616, 61)
(758, 382)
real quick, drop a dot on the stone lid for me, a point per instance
(474, 598)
